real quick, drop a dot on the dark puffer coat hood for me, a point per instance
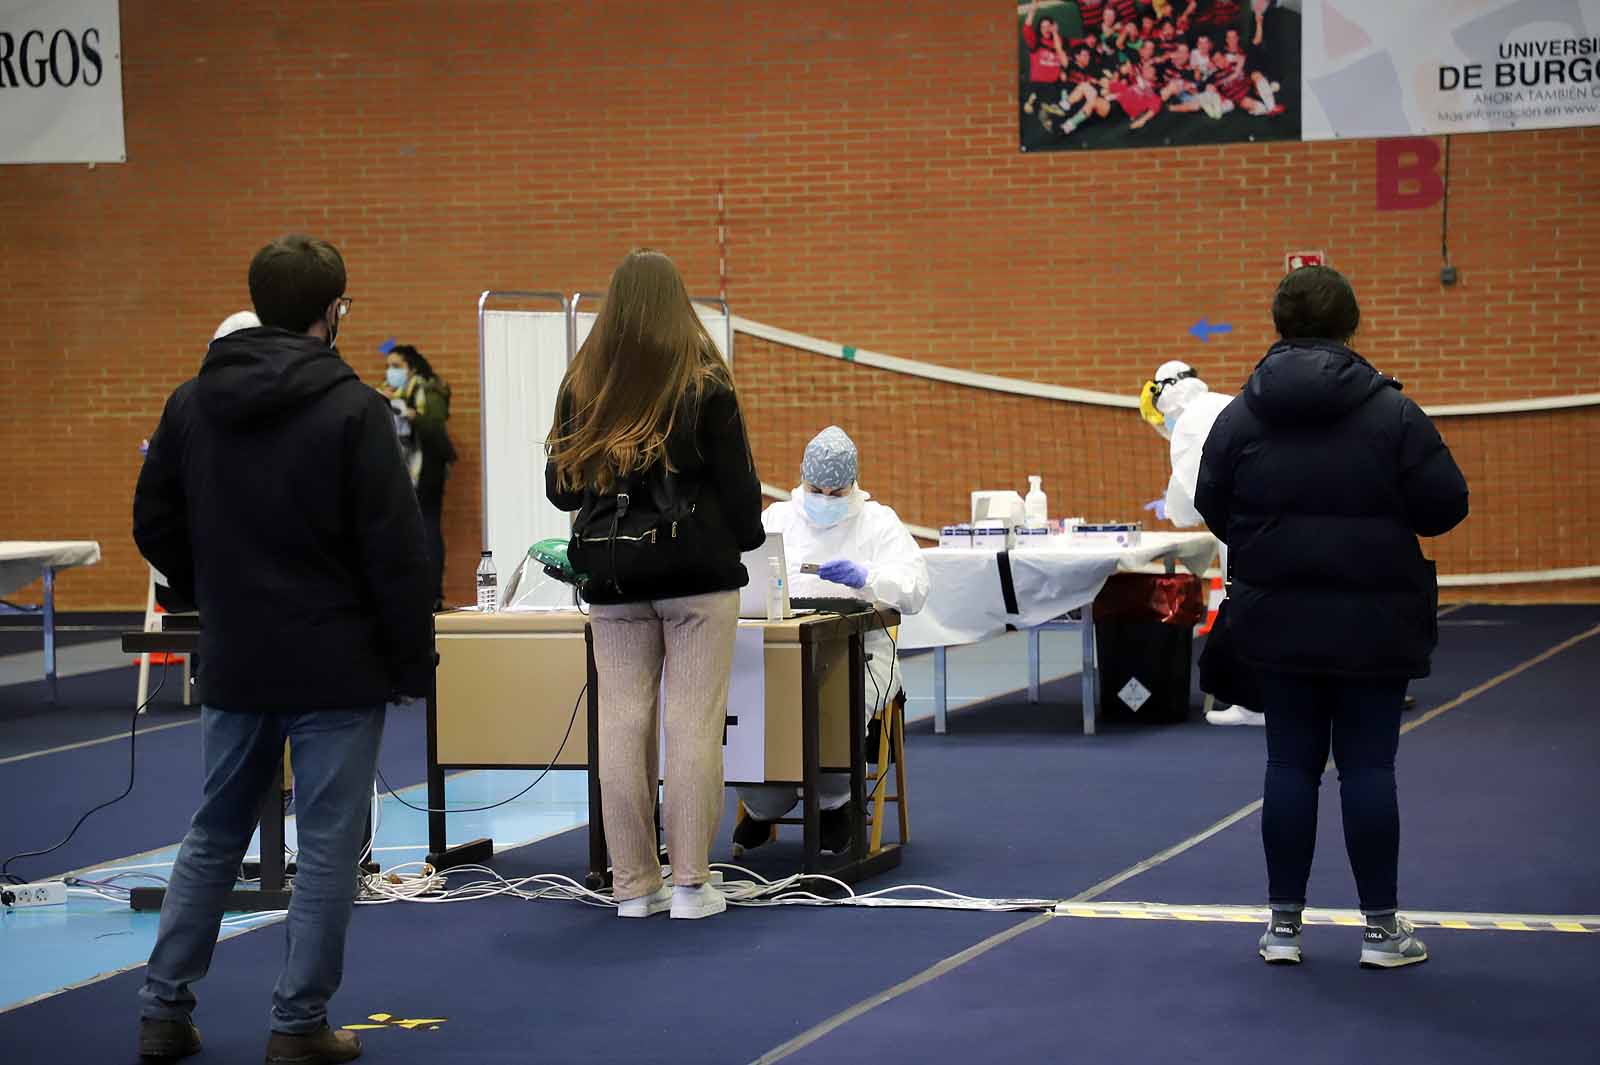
(1311, 382)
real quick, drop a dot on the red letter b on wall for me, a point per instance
(1406, 179)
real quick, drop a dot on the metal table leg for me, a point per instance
(939, 703)
(50, 629)
(1090, 674)
(1033, 665)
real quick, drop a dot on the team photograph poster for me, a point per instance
(1141, 74)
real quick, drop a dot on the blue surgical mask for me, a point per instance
(396, 376)
(823, 511)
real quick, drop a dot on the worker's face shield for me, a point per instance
(1150, 396)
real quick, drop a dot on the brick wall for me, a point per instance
(875, 196)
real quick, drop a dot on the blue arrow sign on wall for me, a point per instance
(1204, 330)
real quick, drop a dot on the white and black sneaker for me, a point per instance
(1280, 943)
(1385, 949)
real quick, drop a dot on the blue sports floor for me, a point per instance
(1498, 790)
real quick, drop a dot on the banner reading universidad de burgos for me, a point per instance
(60, 82)
(1386, 68)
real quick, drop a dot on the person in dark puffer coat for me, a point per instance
(1320, 476)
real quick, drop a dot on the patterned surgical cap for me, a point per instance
(830, 460)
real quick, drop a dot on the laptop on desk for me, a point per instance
(753, 596)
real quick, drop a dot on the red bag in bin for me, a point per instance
(1172, 599)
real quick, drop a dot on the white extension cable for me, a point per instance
(429, 885)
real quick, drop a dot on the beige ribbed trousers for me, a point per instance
(693, 638)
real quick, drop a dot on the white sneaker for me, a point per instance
(692, 903)
(645, 905)
(1236, 715)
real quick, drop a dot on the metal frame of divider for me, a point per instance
(483, 405)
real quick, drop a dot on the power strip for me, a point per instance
(18, 896)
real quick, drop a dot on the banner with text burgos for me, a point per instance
(60, 82)
(1378, 68)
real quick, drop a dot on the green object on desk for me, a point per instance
(552, 554)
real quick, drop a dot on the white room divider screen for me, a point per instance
(522, 354)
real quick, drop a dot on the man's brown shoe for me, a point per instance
(167, 1040)
(322, 1047)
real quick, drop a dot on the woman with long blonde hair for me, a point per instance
(649, 448)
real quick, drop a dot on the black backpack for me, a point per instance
(642, 536)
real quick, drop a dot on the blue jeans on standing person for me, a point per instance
(1360, 722)
(334, 754)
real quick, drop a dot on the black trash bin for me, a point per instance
(1144, 637)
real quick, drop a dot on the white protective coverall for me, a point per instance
(1189, 409)
(897, 577)
(1190, 424)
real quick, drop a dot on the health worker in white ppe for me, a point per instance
(860, 550)
(1179, 406)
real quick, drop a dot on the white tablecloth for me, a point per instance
(965, 603)
(24, 561)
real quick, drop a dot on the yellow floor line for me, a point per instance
(1472, 922)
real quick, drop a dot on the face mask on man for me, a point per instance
(823, 511)
(396, 376)
(340, 308)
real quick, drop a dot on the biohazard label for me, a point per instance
(1134, 695)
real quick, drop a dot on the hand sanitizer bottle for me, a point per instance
(1035, 507)
(776, 597)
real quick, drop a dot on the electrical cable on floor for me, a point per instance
(432, 886)
(133, 733)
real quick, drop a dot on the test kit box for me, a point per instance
(959, 535)
(1119, 534)
(1026, 538)
(991, 536)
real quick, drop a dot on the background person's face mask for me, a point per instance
(823, 511)
(396, 377)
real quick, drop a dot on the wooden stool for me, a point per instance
(891, 747)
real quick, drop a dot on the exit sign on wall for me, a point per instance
(1296, 259)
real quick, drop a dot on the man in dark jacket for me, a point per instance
(1320, 477)
(274, 498)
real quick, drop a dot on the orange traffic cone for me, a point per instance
(1213, 604)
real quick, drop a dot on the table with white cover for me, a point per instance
(967, 599)
(24, 561)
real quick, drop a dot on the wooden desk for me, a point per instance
(506, 696)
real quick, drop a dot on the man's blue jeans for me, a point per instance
(334, 754)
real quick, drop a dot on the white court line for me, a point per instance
(92, 743)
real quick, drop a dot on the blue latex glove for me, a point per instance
(843, 571)
(1159, 506)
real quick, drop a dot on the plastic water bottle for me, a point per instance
(1035, 508)
(775, 593)
(488, 585)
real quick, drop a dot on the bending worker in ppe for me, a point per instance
(1179, 406)
(863, 551)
